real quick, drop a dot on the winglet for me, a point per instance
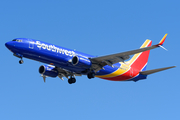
(162, 40)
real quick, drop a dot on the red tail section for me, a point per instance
(139, 61)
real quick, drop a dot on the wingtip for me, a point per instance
(163, 39)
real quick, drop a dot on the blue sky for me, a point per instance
(97, 27)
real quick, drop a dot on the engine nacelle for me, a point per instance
(81, 62)
(48, 71)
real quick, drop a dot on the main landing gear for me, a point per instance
(71, 80)
(91, 75)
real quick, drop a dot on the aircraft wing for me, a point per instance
(99, 62)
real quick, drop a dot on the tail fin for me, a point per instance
(139, 60)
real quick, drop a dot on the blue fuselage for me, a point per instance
(52, 54)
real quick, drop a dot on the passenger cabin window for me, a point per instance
(17, 40)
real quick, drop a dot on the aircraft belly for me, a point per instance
(60, 61)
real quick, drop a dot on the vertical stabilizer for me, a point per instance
(139, 60)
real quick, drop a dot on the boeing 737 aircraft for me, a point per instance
(63, 62)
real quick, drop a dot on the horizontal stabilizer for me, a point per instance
(147, 72)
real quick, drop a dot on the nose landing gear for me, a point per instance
(21, 61)
(19, 56)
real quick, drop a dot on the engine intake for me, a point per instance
(48, 71)
(75, 60)
(81, 62)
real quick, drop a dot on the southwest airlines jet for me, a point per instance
(63, 62)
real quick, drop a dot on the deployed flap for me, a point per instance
(65, 73)
(111, 59)
(147, 72)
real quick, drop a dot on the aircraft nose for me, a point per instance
(9, 45)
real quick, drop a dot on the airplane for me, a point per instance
(64, 62)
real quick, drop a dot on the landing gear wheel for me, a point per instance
(91, 75)
(21, 62)
(71, 80)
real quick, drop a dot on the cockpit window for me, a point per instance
(17, 40)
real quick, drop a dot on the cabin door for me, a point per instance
(31, 44)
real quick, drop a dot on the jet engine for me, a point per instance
(81, 62)
(50, 71)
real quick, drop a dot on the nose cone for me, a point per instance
(9, 45)
(6, 44)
